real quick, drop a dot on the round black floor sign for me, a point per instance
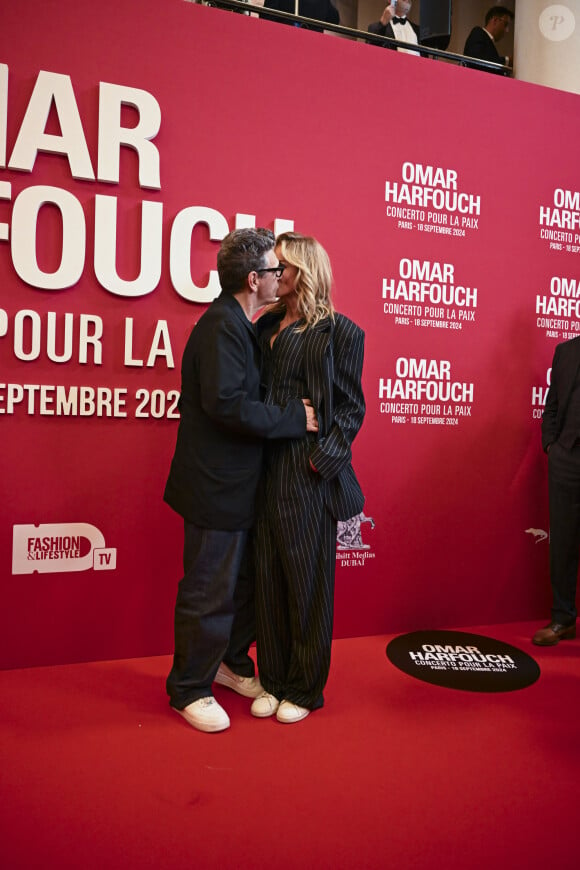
(458, 660)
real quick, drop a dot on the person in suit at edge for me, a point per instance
(395, 24)
(309, 482)
(561, 441)
(481, 41)
(213, 479)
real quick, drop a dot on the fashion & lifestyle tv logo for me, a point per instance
(57, 547)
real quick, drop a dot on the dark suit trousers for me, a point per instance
(564, 499)
(214, 619)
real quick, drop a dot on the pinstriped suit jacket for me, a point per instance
(333, 362)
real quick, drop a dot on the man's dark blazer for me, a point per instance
(333, 363)
(479, 44)
(217, 462)
(387, 30)
(565, 367)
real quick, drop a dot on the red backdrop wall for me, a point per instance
(451, 220)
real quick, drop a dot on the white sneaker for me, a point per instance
(249, 687)
(289, 712)
(264, 705)
(205, 714)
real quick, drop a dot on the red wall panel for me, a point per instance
(432, 187)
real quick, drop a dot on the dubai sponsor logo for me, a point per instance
(351, 550)
(51, 548)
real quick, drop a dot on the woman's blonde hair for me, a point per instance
(314, 278)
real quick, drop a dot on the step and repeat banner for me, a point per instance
(133, 137)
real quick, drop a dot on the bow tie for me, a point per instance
(395, 20)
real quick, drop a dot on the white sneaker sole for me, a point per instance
(290, 718)
(200, 725)
(263, 712)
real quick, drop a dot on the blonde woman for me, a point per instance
(308, 349)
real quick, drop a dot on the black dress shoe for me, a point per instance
(553, 633)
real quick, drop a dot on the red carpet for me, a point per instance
(98, 772)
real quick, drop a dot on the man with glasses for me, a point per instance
(481, 41)
(214, 476)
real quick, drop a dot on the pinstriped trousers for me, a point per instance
(295, 537)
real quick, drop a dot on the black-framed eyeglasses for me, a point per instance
(277, 270)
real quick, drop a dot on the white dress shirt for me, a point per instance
(405, 33)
